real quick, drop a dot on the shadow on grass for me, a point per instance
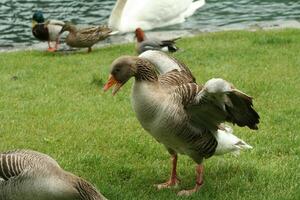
(70, 51)
(272, 40)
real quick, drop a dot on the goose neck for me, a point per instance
(145, 71)
(87, 191)
(116, 14)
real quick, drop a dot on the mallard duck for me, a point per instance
(86, 37)
(186, 117)
(143, 43)
(30, 175)
(46, 31)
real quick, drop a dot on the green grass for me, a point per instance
(54, 103)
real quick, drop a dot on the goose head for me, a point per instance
(122, 69)
(140, 35)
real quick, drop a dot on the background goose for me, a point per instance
(144, 44)
(46, 31)
(30, 175)
(86, 37)
(127, 15)
(185, 117)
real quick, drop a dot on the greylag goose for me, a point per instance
(187, 118)
(30, 175)
(86, 37)
(143, 43)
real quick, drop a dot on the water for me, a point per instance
(15, 16)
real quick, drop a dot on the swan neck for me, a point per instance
(116, 14)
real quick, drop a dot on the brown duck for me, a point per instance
(187, 118)
(86, 37)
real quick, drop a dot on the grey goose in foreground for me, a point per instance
(30, 175)
(186, 117)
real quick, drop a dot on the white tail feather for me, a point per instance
(113, 33)
(227, 142)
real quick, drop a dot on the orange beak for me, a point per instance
(112, 81)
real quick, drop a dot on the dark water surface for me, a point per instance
(15, 15)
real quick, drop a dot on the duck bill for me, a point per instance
(112, 82)
(34, 23)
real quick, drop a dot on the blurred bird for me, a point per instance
(127, 15)
(30, 175)
(143, 43)
(46, 30)
(86, 37)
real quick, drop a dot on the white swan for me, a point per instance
(127, 15)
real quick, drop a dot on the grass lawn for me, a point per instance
(54, 103)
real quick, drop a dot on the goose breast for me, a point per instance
(159, 115)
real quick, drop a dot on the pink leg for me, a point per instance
(173, 179)
(56, 43)
(50, 49)
(199, 182)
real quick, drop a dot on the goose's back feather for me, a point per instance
(31, 175)
(27, 175)
(174, 79)
(13, 163)
(219, 101)
(165, 63)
